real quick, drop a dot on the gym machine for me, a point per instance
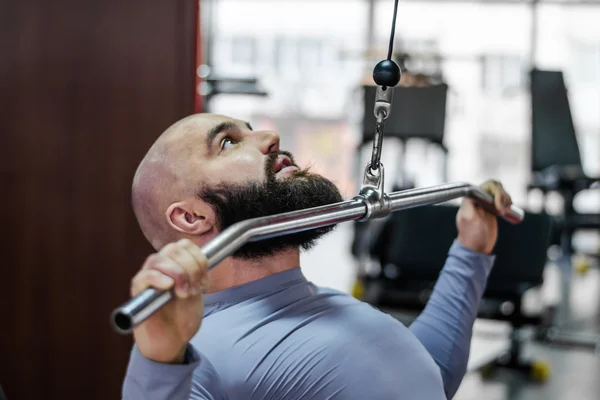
(370, 203)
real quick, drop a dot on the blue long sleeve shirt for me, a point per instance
(282, 337)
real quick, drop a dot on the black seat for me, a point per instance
(555, 158)
(413, 247)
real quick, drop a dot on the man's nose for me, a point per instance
(268, 141)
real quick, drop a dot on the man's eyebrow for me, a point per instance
(212, 134)
(249, 126)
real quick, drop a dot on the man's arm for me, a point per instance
(195, 379)
(163, 364)
(445, 326)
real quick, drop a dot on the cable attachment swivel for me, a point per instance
(382, 110)
(372, 194)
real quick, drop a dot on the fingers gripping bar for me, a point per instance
(366, 205)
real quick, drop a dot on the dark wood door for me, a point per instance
(85, 88)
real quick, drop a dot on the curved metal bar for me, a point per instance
(137, 309)
(441, 193)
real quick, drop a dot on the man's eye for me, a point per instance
(226, 143)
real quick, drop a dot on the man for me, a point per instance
(268, 333)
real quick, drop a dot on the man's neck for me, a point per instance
(233, 272)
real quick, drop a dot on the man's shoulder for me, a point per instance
(337, 296)
(331, 291)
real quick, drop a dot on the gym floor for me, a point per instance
(574, 375)
(574, 372)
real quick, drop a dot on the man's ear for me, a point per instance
(192, 218)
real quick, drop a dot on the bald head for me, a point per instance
(159, 180)
(170, 172)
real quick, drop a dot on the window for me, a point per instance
(585, 61)
(503, 74)
(309, 53)
(243, 51)
(286, 55)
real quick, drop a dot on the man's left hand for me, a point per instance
(477, 228)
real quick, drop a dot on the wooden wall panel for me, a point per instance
(85, 88)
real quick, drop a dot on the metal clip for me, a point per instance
(382, 109)
(377, 144)
(372, 195)
(383, 101)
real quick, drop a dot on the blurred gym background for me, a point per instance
(502, 89)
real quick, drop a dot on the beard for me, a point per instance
(300, 190)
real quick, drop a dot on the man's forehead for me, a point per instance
(197, 133)
(206, 128)
(197, 127)
(206, 123)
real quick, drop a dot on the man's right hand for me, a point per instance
(164, 336)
